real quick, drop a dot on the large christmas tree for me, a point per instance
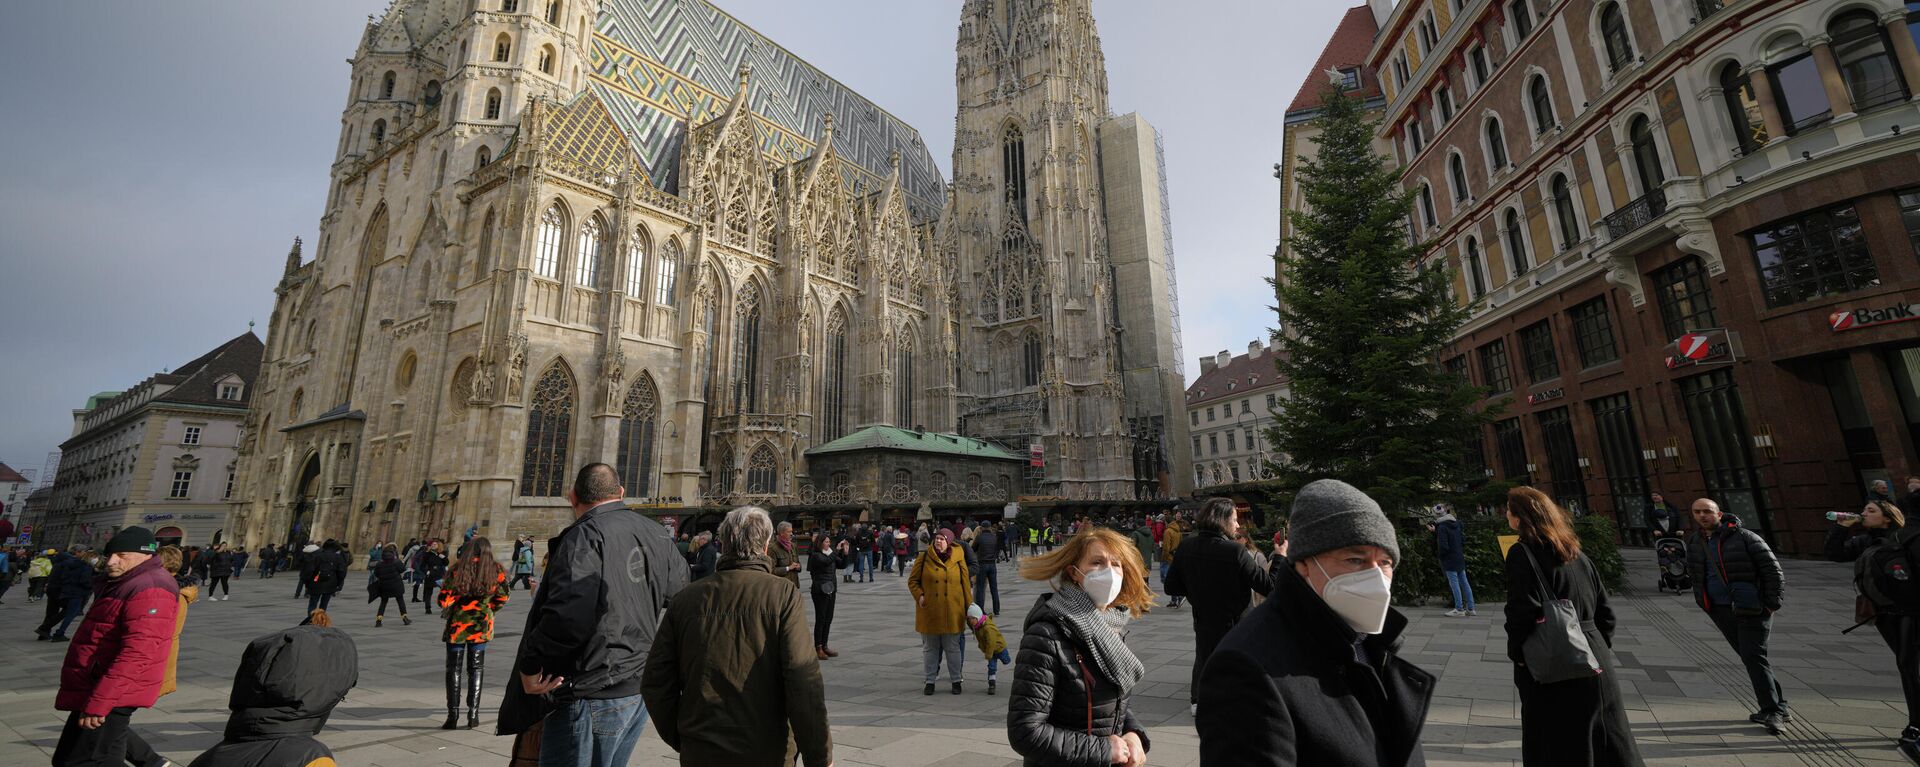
(1362, 326)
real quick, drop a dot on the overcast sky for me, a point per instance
(163, 155)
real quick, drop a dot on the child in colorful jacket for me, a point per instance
(992, 644)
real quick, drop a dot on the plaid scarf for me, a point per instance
(1099, 631)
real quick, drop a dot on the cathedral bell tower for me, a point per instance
(1040, 365)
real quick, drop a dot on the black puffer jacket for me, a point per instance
(1741, 555)
(1218, 576)
(987, 544)
(286, 687)
(1048, 720)
(388, 581)
(220, 564)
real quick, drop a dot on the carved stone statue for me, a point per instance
(516, 366)
(614, 367)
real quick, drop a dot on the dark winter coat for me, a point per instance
(706, 559)
(608, 578)
(434, 564)
(219, 564)
(732, 678)
(325, 571)
(783, 558)
(286, 687)
(1218, 577)
(1288, 686)
(1846, 543)
(389, 580)
(823, 566)
(1052, 716)
(119, 654)
(1742, 557)
(1450, 543)
(72, 577)
(986, 544)
(1557, 719)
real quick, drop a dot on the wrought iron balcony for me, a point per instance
(1636, 214)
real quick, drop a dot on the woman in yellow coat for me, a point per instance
(942, 590)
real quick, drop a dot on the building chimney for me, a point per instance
(1206, 365)
(1223, 359)
(1382, 10)
(1254, 349)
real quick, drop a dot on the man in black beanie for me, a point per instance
(1311, 676)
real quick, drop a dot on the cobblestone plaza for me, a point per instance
(1687, 694)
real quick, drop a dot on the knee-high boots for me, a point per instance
(476, 671)
(456, 682)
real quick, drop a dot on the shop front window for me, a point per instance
(1565, 484)
(1620, 454)
(1720, 436)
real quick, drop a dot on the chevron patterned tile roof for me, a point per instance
(659, 64)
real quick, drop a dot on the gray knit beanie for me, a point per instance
(1329, 514)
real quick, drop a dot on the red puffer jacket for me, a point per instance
(119, 654)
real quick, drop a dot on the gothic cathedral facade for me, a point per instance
(637, 232)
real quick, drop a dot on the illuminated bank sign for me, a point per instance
(1854, 319)
(1703, 347)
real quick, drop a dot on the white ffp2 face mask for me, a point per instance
(1102, 584)
(1361, 598)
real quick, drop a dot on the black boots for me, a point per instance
(476, 671)
(455, 683)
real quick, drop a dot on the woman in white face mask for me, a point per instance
(1071, 681)
(1578, 721)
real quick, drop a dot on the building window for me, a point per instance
(1798, 92)
(1416, 135)
(1427, 217)
(386, 86)
(229, 491)
(637, 265)
(638, 414)
(493, 106)
(586, 263)
(1613, 33)
(1721, 438)
(1457, 175)
(1542, 104)
(1494, 370)
(1511, 441)
(1013, 170)
(1646, 155)
(1230, 442)
(1031, 364)
(1516, 243)
(546, 59)
(1620, 454)
(192, 436)
(1194, 417)
(1233, 470)
(1272, 402)
(1815, 254)
(1209, 415)
(553, 12)
(509, 6)
(1213, 444)
(1496, 146)
(481, 157)
(1246, 406)
(182, 484)
(1593, 333)
(666, 275)
(1860, 49)
(834, 406)
(1743, 108)
(230, 391)
(746, 350)
(543, 470)
(1350, 78)
(546, 254)
(502, 47)
(1443, 97)
(1685, 301)
(1536, 350)
(1564, 212)
(1567, 487)
(722, 480)
(1401, 72)
(763, 471)
(903, 380)
(1196, 445)
(1476, 271)
(1457, 366)
(379, 131)
(1477, 68)
(1521, 11)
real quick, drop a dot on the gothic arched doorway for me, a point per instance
(306, 492)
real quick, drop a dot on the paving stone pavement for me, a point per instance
(1687, 695)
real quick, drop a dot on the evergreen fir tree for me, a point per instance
(1362, 325)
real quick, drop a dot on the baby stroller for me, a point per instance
(1670, 553)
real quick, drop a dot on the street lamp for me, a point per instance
(1253, 443)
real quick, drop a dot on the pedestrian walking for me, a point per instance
(903, 551)
(522, 565)
(939, 585)
(268, 557)
(785, 556)
(1260, 561)
(37, 573)
(1214, 572)
(609, 576)
(1142, 537)
(433, 570)
(1875, 540)
(67, 592)
(823, 564)
(389, 583)
(324, 573)
(139, 752)
(992, 643)
(1312, 677)
(1070, 700)
(863, 544)
(118, 658)
(476, 588)
(1450, 548)
(1738, 582)
(302, 563)
(986, 577)
(706, 555)
(287, 685)
(1170, 540)
(219, 570)
(729, 678)
(1578, 721)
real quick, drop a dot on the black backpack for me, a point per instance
(1885, 573)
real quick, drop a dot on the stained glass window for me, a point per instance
(543, 472)
(638, 414)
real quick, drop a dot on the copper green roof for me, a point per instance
(891, 438)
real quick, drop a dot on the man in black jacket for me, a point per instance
(986, 573)
(1738, 582)
(608, 577)
(1218, 575)
(1311, 676)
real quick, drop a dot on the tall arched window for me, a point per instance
(1476, 270)
(1032, 361)
(746, 350)
(1563, 211)
(543, 472)
(903, 380)
(553, 12)
(637, 265)
(722, 482)
(453, 108)
(833, 385)
(379, 131)
(1743, 109)
(587, 252)
(666, 274)
(493, 105)
(1646, 155)
(1427, 216)
(1496, 145)
(1516, 243)
(386, 86)
(1860, 48)
(502, 47)
(1542, 104)
(1013, 168)
(546, 59)
(440, 169)
(481, 157)
(638, 414)
(763, 471)
(483, 259)
(546, 252)
(1613, 34)
(293, 404)
(509, 6)
(1457, 175)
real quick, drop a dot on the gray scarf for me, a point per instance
(1099, 630)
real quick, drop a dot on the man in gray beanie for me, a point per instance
(1311, 676)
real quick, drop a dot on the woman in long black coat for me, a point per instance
(389, 582)
(1578, 721)
(823, 563)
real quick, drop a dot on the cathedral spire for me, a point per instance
(293, 257)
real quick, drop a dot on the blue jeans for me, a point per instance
(989, 576)
(863, 564)
(994, 661)
(592, 733)
(1457, 580)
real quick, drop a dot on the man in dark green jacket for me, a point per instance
(733, 677)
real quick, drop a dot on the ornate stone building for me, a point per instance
(638, 232)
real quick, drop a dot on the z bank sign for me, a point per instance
(1865, 318)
